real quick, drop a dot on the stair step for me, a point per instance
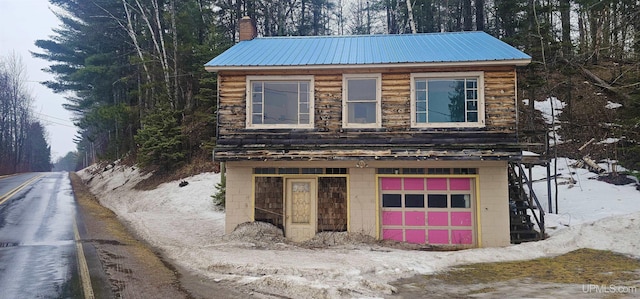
(518, 241)
(516, 229)
(522, 218)
(521, 224)
(525, 232)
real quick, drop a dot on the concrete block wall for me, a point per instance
(239, 208)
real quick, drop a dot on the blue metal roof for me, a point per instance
(367, 50)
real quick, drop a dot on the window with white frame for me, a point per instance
(447, 99)
(361, 100)
(280, 101)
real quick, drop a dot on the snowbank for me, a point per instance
(182, 222)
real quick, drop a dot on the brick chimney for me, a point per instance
(248, 29)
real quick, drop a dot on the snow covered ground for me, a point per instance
(183, 224)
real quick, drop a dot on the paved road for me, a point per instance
(57, 241)
(38, 256)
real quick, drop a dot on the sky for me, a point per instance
(22, 22)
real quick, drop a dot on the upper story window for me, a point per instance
(361, 100)
(447, 99)
(279, 101)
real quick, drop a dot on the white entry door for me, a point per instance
(301, 209)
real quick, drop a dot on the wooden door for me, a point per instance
(301, 209)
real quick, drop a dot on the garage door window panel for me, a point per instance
(430, 210)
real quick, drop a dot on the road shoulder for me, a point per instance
(121, 266)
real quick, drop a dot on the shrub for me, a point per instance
(219, 196)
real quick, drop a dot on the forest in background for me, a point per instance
(23, 140)
(132, 70)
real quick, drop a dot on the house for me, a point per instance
(402, 137)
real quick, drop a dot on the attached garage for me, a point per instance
(444, 204)
(429, 209)
(389, 118)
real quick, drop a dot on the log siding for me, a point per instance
(496, 140)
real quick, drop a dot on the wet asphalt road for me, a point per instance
(59, 243)
(38, 257)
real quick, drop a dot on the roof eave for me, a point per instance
(513, 62)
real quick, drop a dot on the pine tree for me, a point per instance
(66, 163)
(37, 151)
(160, 141)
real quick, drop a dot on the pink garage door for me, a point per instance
(437, 211)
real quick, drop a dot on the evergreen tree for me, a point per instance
(66, 163)
(160, 141)
(121, 58)
(125, 61)
(36, 149)
(90, 61)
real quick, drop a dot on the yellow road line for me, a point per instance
(15, 190)
(82, 261)
(85, 278)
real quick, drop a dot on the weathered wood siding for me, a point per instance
(500, 104)
(396, 131)
(332, 204)
(269, 200)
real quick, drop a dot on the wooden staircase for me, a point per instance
(522, 199)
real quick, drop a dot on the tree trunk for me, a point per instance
(318, 28)
(480, 15)
(174, 29)
(412, 24)
(389, 17)
(599, 82)
(595, 29)
(368, 17)
(340, 18)
(582, 33)
(467, 20)
(162, 50)
(565, 19)
(134, 38)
